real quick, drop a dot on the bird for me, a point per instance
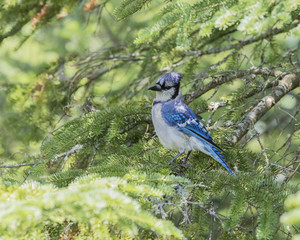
(177, 126)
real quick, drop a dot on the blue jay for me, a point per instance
(176, 125)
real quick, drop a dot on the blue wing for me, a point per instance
(186, 120)
(183, 118)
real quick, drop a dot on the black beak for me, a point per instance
(155, 88)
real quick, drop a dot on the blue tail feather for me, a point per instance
(220, 158)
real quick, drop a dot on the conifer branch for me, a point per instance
(15, 29)
(287, 84)
(227, 77)
(270, 33)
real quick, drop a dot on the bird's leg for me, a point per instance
(187, 157)
(181, 152)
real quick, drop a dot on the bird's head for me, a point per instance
(167, 86)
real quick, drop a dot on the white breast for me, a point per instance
(169, 137)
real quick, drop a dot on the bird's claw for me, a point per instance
(186, 165)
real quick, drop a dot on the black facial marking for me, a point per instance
(167, 87)
(164, 87)
(176, 91)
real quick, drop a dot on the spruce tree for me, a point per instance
(79, 155)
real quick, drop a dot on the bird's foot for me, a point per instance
(186, 164)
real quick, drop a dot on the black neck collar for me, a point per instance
(176, 91)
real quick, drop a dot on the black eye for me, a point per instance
(167, 87)
(164, 87)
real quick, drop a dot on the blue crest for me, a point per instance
(169, 79)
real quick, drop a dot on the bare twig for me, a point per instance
(66, 154)
(184, 213)
(18, 165)
(94, 154)
(30, 171)
(263, 151)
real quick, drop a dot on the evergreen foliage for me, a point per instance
(95, 206)
(79, 155)
(129, 7)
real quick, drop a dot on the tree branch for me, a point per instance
(269, 33)
(18, 165)
(189, 97)
(288, 83)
